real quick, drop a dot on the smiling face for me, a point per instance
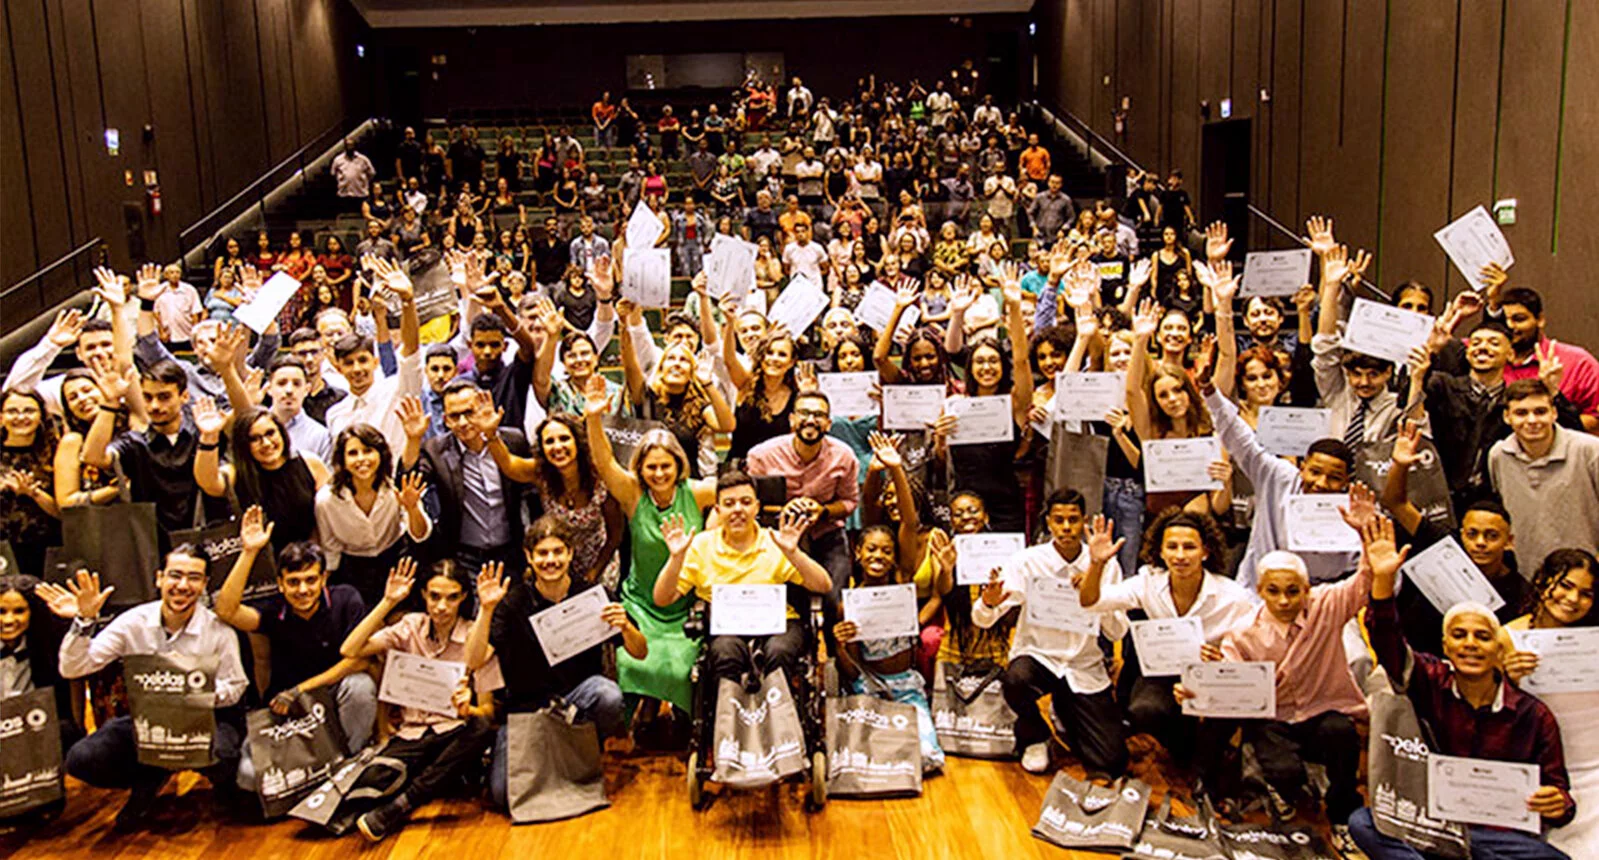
(1050, 359)
(923, 360)
(1176, 333)
(550, 559)
(751, 328)
(95, 347)
(738, 507)
(809, 419)
(849, 358)
(1263, 319)
(266, 442)
(875, 554)
(82, 398)
(557, 444)
(579, 359)
(302, 589)
(1525, 327)
(676, 368)
(1284, 593)
(182, 583)
(988, 367)
(839, 324)
(779, 358)
(1172, 397)
(1119, 355)
(1261, 384)
(1488, 351)
(1367, 382)
(22, 416)
(1183, 551)
(1532, 419)
(14, 617)
(1486, 537)
(1568, 599)
(659, 470)
(359, 369)
(360, 460)
(1471, 645)
(968, 515)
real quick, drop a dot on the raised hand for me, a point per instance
(1216, 242)
(66, 328)
(1147, 319)
(1362, 509)
(615, 615)
(1118, 419)
(58, 600)
(1139, 276)
(994, 592)
(109, 287)
(907, 292)
(486, 418)
(964, 294)
(250, 279)
(791, 527)
(1305, 298)
(805, 378)
(412, 486)
(675, 534)
(603, 278)
(401, 577)
(85, 589)
(1102, 541)
(549, 317)
(1419, 362)
(255, 532)
(1335, 265)
(207, 418)
(1321, 235)
(596, 396)
(1550, 369)
(491, 586)
(150, 287)
(1381, 552)
(942, 549)
(1010, 279)
(1407, 444)
(255, 385)
(413, 418)
(114, 385)
(1494, 277)
(224, 351)
(391, 276)
(1225, 285)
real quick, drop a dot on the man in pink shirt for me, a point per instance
(1523, 310)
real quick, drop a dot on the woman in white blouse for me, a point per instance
(361, 514)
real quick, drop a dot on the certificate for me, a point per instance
(907, 322)
(259, 312)
(981, 419)
(883, 611)
(1244, 691)
(1167, 646)
(1088, 396)
(572, 626)
(1472, 241)
(800, 303)
(876, 306)
(1385, 331)
(730, 267)
(748, 610)
(1288, 431)
(978, 554)
(912, 407)
(849, 394)
(1314, 524)
(1053, 602)
(1568, 659)
(647, 277)
(1448, 576)
(1275, 273)
(1171, 465)
(1481, 791)
(644, 227)
(412, 681)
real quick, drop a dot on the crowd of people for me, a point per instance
(423, 487)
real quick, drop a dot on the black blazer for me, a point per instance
(440, 463)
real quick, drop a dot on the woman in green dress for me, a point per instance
(655, 485)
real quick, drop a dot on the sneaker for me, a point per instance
(136, 812)
(1035, 759)
(1281, 809)
(1344, 843)
(386, 819)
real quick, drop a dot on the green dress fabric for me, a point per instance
(663, 673)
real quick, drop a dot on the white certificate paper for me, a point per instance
(730, 267)
(1481, 791)
(1242, 691)
(1289, 431)
(876, 306)
(644, 228)
(748, 610)
(1314, 524)
(1568, 659)
(1472, 241)
(883, 611)
(1448, 576)
(1053, 602)
(800, 303)
(981, 419)
(977, 554)
(1171, 465)
(647, 276)
(912, 407)
(1088, 396)
(413, 681)
(849, 394)
(1275, 273)
(1167, 646)
(1385, 331)
(259, 312)
(572, 626)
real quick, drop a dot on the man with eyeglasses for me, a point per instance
(305, 345)
(175, 624)
(821, 476)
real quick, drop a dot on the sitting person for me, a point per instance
(531, 682)
(303, 624)
(1065, 665)
(742, 552)
(886, 667)
(1470, 704)
(436, 748)
(174, 624)
(30, 639)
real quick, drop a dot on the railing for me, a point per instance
(1095, 143)
(30, 297)
(255, 194)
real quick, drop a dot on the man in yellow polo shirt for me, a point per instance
(741, 552)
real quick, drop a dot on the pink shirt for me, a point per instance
(410, 634)
(1312, 671)
(1581, 382)
(829, 477)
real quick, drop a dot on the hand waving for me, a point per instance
(491, 586)
(66, 328)
(885, 449)
(207, 418)
(401, 578)
(1321, 235)
(255, 532)
(675, 534)
(1102, 541)
(412, 486)
(413, 418)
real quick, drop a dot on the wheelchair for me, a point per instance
(806, 685)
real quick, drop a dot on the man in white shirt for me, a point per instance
(177, 309)
(940, 105)
(353, 172)
(176, 624)
(805, 257)
(822, 133)
(92, 346)
(761, 160)
(987, 115)
(374, 401)
(415, 197)
(799, 99)
(1055, 650)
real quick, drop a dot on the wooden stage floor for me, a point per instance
(976, 809)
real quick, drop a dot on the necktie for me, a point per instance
(1355, 433)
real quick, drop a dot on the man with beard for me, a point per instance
(1523, 315)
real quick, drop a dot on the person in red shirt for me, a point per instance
(604, 114)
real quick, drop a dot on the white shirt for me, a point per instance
(353, 172)
(763, 159)
(138, 631)
(804, 260)
(377, 406)
(1222, 606)
(344, 528)
(175, 308)
(417, 200)
(1074, 656)
(987, 115)
(308, 436)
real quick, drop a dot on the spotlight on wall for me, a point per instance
(360, 50)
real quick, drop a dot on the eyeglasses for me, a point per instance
(810, 414)
(182, 576)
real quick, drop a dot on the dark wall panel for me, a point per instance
(172, 154)
(18, 254)
(1527, 131)
(1420, 91)
(40, 136)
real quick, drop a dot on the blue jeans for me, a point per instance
(356, 699)
(1124, 503)
(1486, 843)
(598, 700)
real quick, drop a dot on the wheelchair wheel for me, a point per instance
(816, 798)
(696, 786)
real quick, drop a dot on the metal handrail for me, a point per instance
(1297, 239)
(45, 271)
(1092, 138)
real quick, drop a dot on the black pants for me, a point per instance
(109, 758)
(1329, 738)
(435, 758)
(1092, 721)
(1195, 742)
(730, 656)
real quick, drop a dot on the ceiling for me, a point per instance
(500, 13)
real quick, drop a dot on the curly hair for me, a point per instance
(1210, 535)
(684, 409)
(1554, 568)
(754, 391)
(550, 480)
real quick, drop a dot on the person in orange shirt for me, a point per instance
(604, 114)
(1034, 161)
